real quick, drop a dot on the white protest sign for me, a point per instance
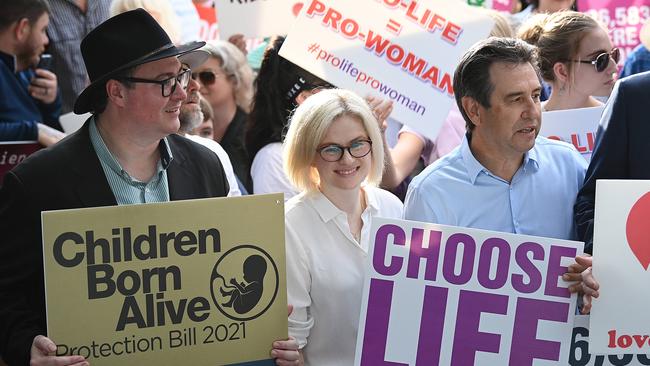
(580, 356)
(404, 51)
(444, 295)
(575, 126)
(257, 18)
(620, 320)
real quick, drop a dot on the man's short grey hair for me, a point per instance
(472, 76)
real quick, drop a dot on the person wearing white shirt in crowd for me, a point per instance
(190, 117)
(334, 153)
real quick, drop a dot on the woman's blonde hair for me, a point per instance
(235, 66)
(161, 10)
(309, 125)
(557, 37)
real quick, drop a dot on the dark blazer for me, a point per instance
(69, 175)
(622, 148)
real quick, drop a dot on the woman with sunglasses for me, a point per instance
(577, 58)
(334, 153)
(227, 84)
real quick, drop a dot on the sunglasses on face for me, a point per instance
(168, 86)
(602, 60)
(206, 77)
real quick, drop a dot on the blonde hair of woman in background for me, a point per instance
(576, 58)
(160, 10)
(334, 154)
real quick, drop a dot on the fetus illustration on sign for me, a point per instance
(245, 295)
(244, 282)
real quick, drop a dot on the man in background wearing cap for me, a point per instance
(126, 153)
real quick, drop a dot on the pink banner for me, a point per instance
(500, 5)
(623, 18)
(13, 153)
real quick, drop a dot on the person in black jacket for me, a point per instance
(126, 153)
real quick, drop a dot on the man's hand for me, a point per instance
(42, 354)
(43, 86)
(586, 284)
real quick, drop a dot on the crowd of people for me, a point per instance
(174, 118)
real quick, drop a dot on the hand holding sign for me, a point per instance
(580, 272)
(43, 348)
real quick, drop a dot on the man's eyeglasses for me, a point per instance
(334, 152)
(206, 77)
(168, 86)
(602, 60)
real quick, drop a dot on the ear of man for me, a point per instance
(116, 92)
(22, 29)
(473, 109)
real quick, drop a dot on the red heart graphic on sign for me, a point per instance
(638, 230)
(296, 8)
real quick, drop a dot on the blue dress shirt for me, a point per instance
(457, 190)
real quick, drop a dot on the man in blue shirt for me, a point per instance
(30, 99)
(503, 177)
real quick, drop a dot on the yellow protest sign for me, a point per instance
(199, 282)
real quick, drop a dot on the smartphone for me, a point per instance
(45, 62)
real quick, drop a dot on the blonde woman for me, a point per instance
(334, 155)
(576, 58)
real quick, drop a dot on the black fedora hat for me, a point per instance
(124, 41)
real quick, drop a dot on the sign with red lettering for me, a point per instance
(575, 126)
(623, 18)
(257, 18)
(13, 153)
(399, 50)
(620, 321)
(475, 297)
(580, 356)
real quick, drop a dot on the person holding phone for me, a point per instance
(30, 105)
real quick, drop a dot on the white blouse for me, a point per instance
(326, 268)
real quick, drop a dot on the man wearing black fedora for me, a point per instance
(126, 153)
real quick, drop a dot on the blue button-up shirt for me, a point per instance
(457, 190)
